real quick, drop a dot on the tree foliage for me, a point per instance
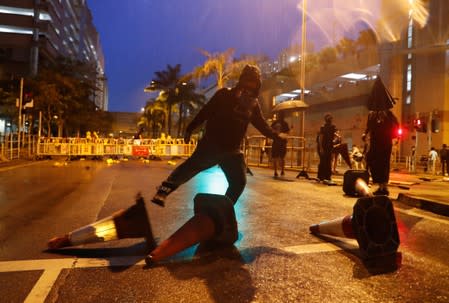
(176, 94)
(64, 93)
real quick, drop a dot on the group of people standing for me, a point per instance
(443, 156)
(226, 118)
(378, 140)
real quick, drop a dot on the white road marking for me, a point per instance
(43, 286)
(315, 248)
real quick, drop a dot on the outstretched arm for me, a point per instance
(259, 122)
(204, 114)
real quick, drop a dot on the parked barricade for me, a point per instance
(114, 147)
(258, 152)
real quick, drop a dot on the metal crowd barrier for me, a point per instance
(258, 152)
(11, 147)
(114, 147)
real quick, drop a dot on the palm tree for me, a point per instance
(153, 117)
(221, 65)
(190, 101)
(167, 83)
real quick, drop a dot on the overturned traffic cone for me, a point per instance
(126, 223)
(214, 222)
(372, 224)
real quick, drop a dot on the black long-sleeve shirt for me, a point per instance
(227, 118)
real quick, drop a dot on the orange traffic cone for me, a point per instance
(214, 221)
(130, 223)
(372, 223)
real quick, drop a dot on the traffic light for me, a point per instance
(420, 125)
(435, 125)
(399, 132)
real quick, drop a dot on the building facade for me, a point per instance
(36, 31)
(416, 70)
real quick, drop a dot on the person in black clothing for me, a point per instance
(279, 147)
(325, 142)
(227, 116)
(444, 157)
(381, 128)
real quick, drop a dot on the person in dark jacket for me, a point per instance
(226, 117)
(444, 157)
(381, 128)
(279, 147)
(325, 146)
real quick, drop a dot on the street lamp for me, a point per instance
(303, 51)
(302, 78)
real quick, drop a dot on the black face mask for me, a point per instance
(247, 100)
(249, 93)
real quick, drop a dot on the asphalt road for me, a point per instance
(276, 259)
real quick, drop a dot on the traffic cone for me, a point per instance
(126, 223)
(372, 224)
(214, 221)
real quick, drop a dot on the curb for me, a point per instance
(432, 206)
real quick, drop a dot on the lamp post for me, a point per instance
(302, 81)
(20, 117)
(303, 51)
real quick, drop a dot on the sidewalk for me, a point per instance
(420, 190)
(428, 192)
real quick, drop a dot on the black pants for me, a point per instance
(232, 164)
(378, 164)
(325, 166)
(445, 166)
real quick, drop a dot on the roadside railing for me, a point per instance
(79, 147)
(258, 152)
(12, 148)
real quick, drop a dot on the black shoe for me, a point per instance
(282, 173)
(276, 175)
(162, 192)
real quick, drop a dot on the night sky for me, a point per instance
(140, 37)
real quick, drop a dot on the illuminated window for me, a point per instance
(44, 16)
(408, 99)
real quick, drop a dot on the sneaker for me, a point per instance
(329, 182)
(162, 192)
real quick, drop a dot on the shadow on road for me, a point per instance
(138, 250)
